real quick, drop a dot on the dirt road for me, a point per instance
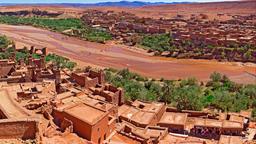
(8, 105)
(118, 56)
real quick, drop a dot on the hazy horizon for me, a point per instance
(98, 1)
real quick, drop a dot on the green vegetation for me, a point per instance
(60, 25)
(4, 42)
(254, 113)
(60, 61)
(6, 54)
(95, 35)
(189, 94)
(53, 24)
(5, 51)
(157, 42)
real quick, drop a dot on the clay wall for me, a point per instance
(18, 129)
(91, 83)
(160, 113)
(117, 97)
(12, 80)
(101, 130)
(81, 128)
(173, 126)
(79, 79)
(82, 80)
(96, 133)
(100, 75)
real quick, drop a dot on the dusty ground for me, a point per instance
(166, 11)
(117, 56)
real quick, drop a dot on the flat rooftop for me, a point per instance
(122, 109)
(232, 125)
(181, 139)
(150, 107)
(154, 107)
(208, 123)
(130, 112)
(230, 140)
(92, 101)
(155, 131)
(81, 111)
(143, 117)
(174, 118)
(236, 118)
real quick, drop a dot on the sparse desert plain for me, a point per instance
(166, 11)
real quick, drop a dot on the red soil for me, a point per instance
(117, 56)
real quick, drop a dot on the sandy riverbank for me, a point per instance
(119, 56)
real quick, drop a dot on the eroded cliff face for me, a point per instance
(33, 12)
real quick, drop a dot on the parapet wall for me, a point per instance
(18, 129)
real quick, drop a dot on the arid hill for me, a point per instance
(167, 11)
(170, 10)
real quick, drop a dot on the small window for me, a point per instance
(141, 106)
(99, 140)
(228, 117)
(105, 136)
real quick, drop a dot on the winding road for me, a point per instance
(119, 56)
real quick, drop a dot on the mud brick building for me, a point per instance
(40, 102)
(141, 114)
(88, 79)
(91, 119)
(175, 122)
(110, 94)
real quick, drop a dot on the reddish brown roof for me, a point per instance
(174, 118)
(230, 140)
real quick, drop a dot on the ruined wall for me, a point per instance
(83, 81)
(117, 96)
(79, 79)
(91, 83)
(18, 129)
(100, 75)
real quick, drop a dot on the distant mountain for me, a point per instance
(103, 4)
(122, 4)
(128, 4)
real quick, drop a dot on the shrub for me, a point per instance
(158, 42)
(254, 113)
(60, 25)
(4, 42)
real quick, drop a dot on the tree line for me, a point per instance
(219, 93)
